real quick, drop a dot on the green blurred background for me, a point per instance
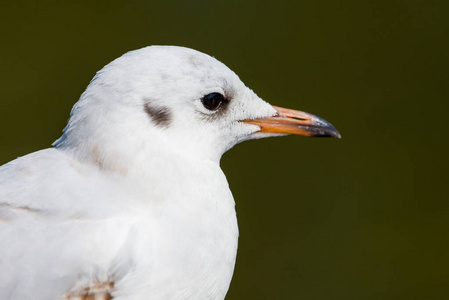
(364, 217)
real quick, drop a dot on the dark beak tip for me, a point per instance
(336, 135)
(328, 134)
(326, 129)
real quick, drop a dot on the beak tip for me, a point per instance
(330, 134)
(326, 129)
(335, 134)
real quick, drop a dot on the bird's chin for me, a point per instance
(252, 132)
(262, 135)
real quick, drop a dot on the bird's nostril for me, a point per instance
(297, 118)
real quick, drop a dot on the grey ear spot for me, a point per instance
(159, 115)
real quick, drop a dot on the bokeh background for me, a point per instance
(364, 217)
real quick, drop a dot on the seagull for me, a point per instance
(130, 202)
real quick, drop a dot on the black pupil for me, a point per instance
(212, 101)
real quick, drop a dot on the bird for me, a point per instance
(130, 202)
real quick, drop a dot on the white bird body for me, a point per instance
(117, 235)
(131, 202)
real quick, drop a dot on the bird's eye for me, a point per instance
(213, 100)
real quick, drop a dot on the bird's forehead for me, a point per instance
(165, 63)
(202, 69)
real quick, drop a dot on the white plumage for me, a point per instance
(131, 202)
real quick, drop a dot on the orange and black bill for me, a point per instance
(289, 121)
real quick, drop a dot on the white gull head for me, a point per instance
(166, 99)
(162, 98)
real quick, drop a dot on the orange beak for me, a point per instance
(289, 121)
